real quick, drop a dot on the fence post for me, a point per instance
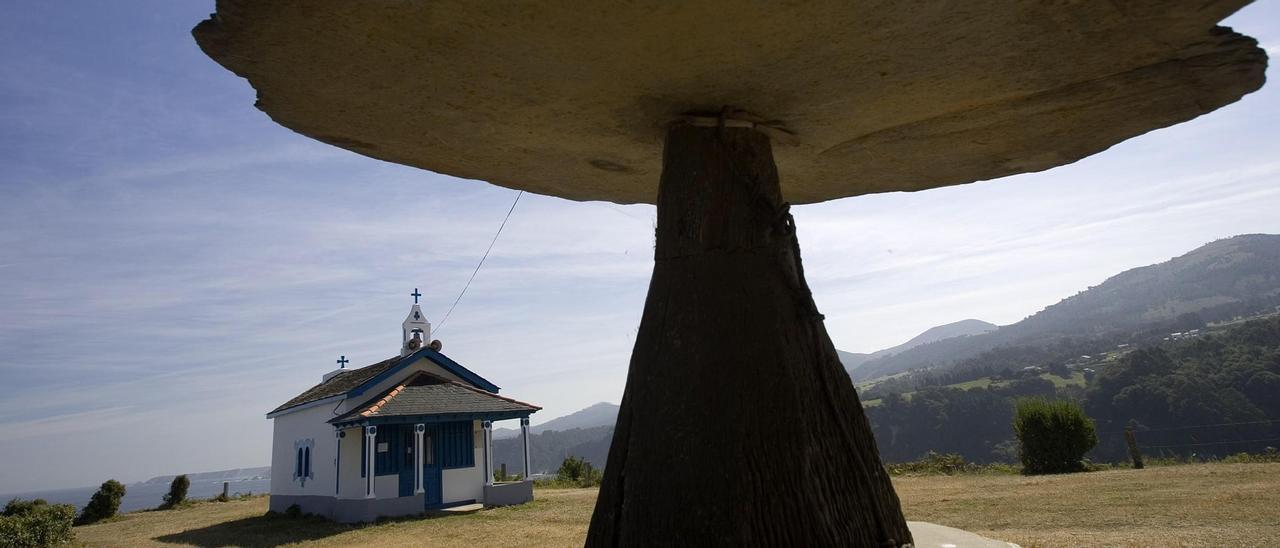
(226, 485)
(504, 471)
(1134, 454)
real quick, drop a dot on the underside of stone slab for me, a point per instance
(571, 99)
(932, 535)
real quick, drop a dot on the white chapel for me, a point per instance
(399, 437)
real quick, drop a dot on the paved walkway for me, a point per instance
(932, 535)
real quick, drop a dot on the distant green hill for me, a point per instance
(548, 449)
(1228, 278)
(962, 328)
(600, 414)
(1211, 394)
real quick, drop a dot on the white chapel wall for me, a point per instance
(290, 428)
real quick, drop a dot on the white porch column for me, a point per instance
(337, 463)
(488, 452)
(524, 438)
(418, 430)
(370, 434)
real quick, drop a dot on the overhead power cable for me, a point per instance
(1268, 421)
(481, 263)
(1207, 443)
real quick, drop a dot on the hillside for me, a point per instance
(1228, 278)
(548, 449)
(962, 328)
(234, 474)
(1211, 394)
(600, 414)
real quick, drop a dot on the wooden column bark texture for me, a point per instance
(738, 425)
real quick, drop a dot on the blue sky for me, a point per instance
(173, 264)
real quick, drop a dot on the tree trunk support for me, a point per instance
(738, 425)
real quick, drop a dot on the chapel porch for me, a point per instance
(426, 444)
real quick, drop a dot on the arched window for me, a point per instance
(297, 471)
(306, 461)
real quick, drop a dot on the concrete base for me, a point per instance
(350, 510)
(932, 535)
(507, 494)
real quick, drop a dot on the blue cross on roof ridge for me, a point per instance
(415, 295)
(343, 361)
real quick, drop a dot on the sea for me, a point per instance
(148, 494)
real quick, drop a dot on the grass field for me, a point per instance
(1076, 379)
(1187, 505)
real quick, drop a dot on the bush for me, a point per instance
(1270, 454)
(104, 504)
(577, 471)
(1053, 436)
(36, 523)
(177, 492)
(18, 507)
(933, 464)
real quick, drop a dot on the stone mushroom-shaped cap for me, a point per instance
(571, 98)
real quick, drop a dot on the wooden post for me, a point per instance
(226, 486)
(732, 358)
(503, 475)
(1134, 454)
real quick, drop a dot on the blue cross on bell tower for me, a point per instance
(343, 361)
(415, 295)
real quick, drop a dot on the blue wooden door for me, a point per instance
(431, 475)
(408, 461)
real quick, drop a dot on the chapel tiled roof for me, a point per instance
(426, 394)
(340, 384)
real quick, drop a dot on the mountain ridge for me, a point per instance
(597, 414)
(962, 328)
(1229, 277)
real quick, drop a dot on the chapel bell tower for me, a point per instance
(416, 328)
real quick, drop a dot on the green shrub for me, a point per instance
(931, 463)
(1270, 454)
(934, 464)
(17, 506)
(177, 492)
(500, 476)
(104, 504)
(1053, 436)
(577, 471)
(36, 523)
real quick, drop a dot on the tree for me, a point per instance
(177, 492)
(36, 523)
(1053, 435)
(104, 503)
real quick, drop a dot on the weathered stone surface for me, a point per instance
(571, 98)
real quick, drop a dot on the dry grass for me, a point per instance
(1191, 505)
(558, 517)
